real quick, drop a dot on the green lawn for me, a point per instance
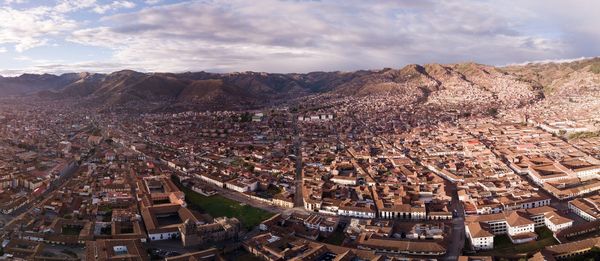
(502, 241)
(544, 233)
(218, 206)
(71, 231)
(503, 246)
(336, 238)
(273, 190)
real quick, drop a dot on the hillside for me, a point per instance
(31, 83)
(454, 85)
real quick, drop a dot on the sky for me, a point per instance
(58, 36)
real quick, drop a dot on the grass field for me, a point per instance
(218, 206)
(336, 238)
(503, 245)
(71, 231)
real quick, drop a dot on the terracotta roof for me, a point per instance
(477, 231)
(205, 255)
(576, 246)
(556, 218)
(514, 219)
(401, 245)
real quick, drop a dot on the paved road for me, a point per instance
(457, 241)
(298, 197)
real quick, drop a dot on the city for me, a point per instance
(296, 183)
(299, 130)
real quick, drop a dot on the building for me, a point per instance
(272, 247)
(556, 222)
(400, 247)
(242, 185)
(194, 233)
(211, 254)
(573, 249)
(162, 221)
(587, 208)
(218, 180)
(284, 200)
(357, 210)
(481, 239)
(116, 249)
(519, 228)
(519, 225)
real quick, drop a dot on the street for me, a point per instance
(298, 197)
(457, 241)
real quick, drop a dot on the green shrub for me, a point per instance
(595, 68)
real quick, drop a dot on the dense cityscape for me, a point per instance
(319, 178)
(300, 130)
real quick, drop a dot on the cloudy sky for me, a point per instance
(57, 36)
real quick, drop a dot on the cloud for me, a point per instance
(9, 2)
(3, 50)
(34, 27)
(31, 28)
(315, 35)
(547, 61)
(65, 6)
(115, 5)
(55, 67)
(300, 36)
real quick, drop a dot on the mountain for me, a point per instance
(198, 90)
(562, 80)
(31, 83)
(453, 85)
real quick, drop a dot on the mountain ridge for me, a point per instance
(442, 84)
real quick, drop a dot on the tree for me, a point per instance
(329, 159)
(492, 112)
(246, 117)
(562, 132)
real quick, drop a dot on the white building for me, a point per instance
(360, 212)
(212, 180)
(242, 185)
(520, 229)
(163, 236)
(587, 208)
(556, 222)
(588, 172)
(480, 238)
(344, 180)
